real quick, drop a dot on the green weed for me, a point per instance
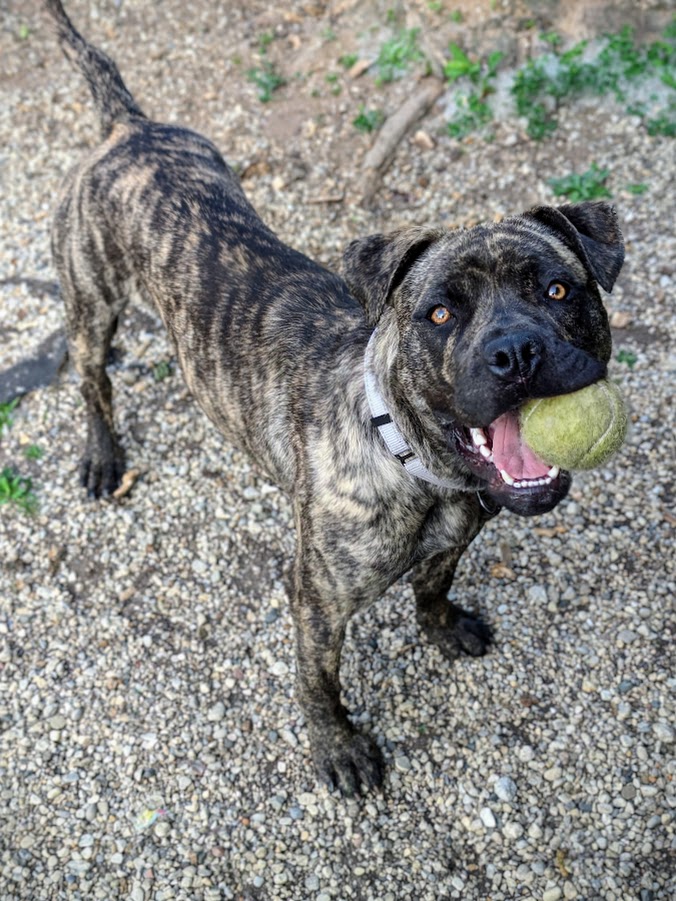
(368, 120)
(639, 188)
(348, 60)
(162, 370)
(397, 55)
(17, 490)
(473, 111)
(590, 185)
(626, 356)
(542, 84)
(551, 38)
(33, 452)
(460, 65)
(264, 41)
(267, 80)
(6, 418)
(664, 123)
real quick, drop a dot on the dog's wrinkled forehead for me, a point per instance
(494, 255)
(584, 237)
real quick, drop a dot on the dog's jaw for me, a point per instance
(525, 496)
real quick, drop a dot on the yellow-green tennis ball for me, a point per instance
(576, 431)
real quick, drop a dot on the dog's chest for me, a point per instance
(446, 524)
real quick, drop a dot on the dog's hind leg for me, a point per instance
(94, 289)
(89, 340)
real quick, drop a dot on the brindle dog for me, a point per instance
(470, 323)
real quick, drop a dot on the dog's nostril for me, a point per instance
(528, 353)
(502, 360)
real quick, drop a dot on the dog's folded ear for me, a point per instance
(591, 231)
(373, 267)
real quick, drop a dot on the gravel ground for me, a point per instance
(151, 745)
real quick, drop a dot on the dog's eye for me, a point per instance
(557, 291)
(439, 315)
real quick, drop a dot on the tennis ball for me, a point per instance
(576, 431)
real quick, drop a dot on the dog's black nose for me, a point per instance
(515, 357)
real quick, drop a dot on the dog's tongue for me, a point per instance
(510, 453)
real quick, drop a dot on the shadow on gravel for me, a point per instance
(36, 371)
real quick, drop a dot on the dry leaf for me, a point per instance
(620, 319)
(549, 533)
(361, 66)
(127, 482)
(500, 571)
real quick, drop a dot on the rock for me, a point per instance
(505, 788)
(487, 818)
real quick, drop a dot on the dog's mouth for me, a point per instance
(516, 477)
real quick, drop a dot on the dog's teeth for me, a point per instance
(485, 452)
(505, 476)
(553, 472)
(478, 437)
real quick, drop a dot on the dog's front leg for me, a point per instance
(452, 629)
(342, 756)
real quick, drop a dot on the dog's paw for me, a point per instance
(461, 634)
(101, 475)
(350, 762)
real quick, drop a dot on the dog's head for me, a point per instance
(485, 318)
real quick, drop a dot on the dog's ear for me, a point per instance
(374, 266)
(591, 231)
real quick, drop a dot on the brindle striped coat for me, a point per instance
(272, 347)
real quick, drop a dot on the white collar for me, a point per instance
(394, 440)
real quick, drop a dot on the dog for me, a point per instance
(384, 402)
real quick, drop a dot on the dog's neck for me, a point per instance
(395, 442)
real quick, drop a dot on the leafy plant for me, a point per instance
(17, 490)
(542, 84)
(460, 65)
(590, 185)
(6, 418)
(639, 188)
(368, 120)
(267, 80)
(397, 54)
(473, 110)
(474, 113)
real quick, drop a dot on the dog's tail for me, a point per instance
(113, 101)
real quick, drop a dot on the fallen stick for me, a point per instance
(392, 132)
